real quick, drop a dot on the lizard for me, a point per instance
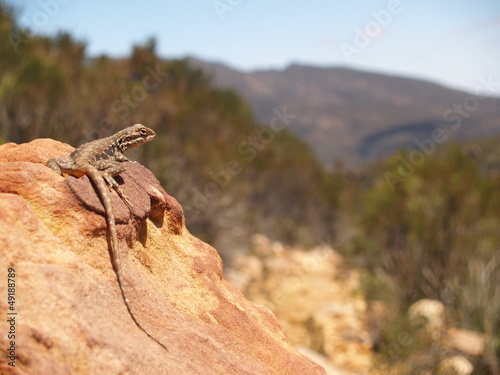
(100, 161)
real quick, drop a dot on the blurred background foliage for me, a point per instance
(435, 235)
(50, 88)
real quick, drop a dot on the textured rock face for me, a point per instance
(71, 316)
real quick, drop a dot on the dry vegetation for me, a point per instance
(435, 236)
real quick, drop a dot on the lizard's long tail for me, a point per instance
(115, 259)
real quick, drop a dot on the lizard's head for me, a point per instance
(134, 136)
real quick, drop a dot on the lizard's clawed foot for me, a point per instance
(112, 184)
(127, 202)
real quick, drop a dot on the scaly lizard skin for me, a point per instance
(100, 161)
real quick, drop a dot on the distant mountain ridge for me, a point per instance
(359, 116)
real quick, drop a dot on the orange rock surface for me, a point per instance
(71, 318)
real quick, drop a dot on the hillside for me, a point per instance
(359, 116)
(232, 175)
(428, 231)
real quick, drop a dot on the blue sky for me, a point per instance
(448, 42)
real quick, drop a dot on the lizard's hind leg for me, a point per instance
(110, 169)
(61, 165)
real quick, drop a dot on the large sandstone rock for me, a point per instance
(71, 317)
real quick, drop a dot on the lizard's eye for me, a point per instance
(143, 132)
